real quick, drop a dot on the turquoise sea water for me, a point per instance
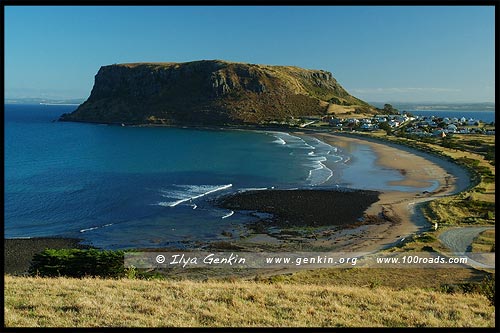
(120, 187)
(141, 186)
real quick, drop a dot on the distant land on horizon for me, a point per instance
(399, 105)
(426, 104)
(476, 106)
(38, 100)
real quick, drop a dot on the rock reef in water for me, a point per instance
(210, 92)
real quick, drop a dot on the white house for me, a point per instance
(367, 126)
(464, 131)
(381, 118)
(452, 128)
(393, 123)
(439, 132)
(471, 122)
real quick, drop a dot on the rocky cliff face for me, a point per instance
(208, 93)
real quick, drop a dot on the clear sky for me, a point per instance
(379, 54)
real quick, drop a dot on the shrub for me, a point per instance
(487, 288)
(489, 179)
(484, 170)
(490, 154)
(78, 263)
(426, 238)
(480, 189)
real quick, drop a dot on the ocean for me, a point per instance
(485, 116)
(130, 187)
(119, 187)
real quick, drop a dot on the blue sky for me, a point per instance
(381, 54)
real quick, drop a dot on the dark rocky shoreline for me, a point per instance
(303, 207)
(19, 252)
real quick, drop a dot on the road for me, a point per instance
(459, 240)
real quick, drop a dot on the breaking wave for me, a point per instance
(318, 154)
(97, 227)
(187, 193)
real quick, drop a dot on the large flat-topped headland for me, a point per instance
(210, 92)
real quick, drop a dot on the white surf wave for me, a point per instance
(319, 175)
(253, 189)
(319, 153)
(188, 193)
(97, 227)
(292, 140)
(88, 229)
(228, 215)
(280, 141)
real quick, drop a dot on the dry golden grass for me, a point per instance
(340, 109)
(45, 302)
(396, 279)
(446, 211)
(485, 242)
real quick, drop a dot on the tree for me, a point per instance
(388, 109)
(447, 142)
(386, 127)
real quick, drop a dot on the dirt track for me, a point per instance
(460, 239)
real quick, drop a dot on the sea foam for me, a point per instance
(189, 192)
(228, 215)
(319, 152)
(97, 227)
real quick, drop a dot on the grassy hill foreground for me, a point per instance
(92, 302)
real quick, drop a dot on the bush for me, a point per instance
(468, 161)
(426, 238)
(484, 170)
(488, 179)
(485, 287)
(78, 263)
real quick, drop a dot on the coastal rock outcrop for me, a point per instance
(209, 92)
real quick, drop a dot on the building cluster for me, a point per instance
(416, 125)
(436, 126)
(367, 124)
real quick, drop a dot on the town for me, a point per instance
(400, 124)
(414, 125)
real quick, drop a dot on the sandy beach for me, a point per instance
(387, 222)
(419, 169)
